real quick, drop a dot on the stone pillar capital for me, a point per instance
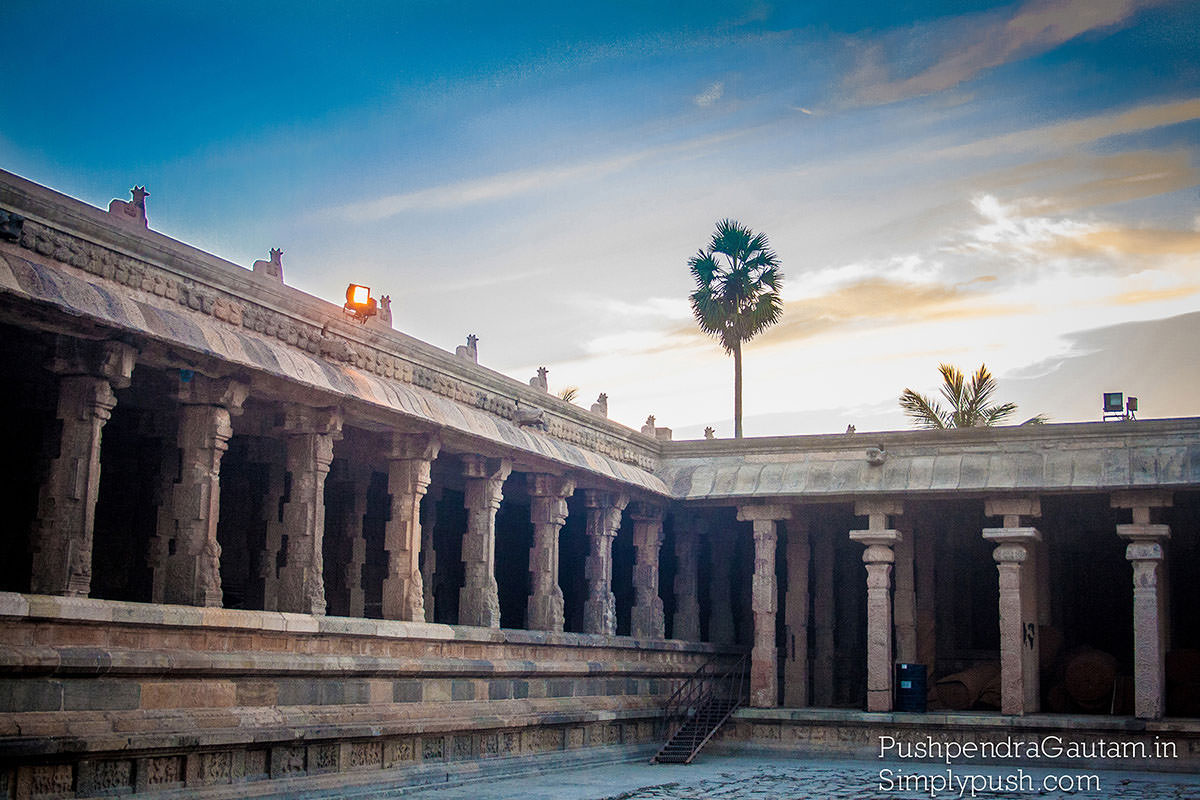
(879, 505)
(545, 485)
(300, 420)
(111, 360)
(1145, 541)
(1012, 509)
(482, 467)
(596, 498)
(1142, 498)
(647, 511)
(418, 446)
(757, 512)
(1012, 536)
(201, 390)
(876, 539)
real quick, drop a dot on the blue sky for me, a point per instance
(958, 182)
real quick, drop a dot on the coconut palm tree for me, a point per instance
(737, 294)
(969, 407)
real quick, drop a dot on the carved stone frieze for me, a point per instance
(313, 339)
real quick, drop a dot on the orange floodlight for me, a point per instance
(359, 303)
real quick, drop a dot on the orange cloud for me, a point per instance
(1153, 295)
(1079, 180)
(1132, 243)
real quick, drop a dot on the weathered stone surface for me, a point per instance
(878, 557)
(185, 553)
(1150, 597)
(479, 601)
(764, 681)
(1020, 691)
(410, 458)
(685, 624)
(62, 539)
(647, 620)
(1063, 456)
(603, 521)
(548, 512)
(795, 665)
(310, 435)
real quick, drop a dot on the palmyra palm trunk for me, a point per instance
(737, 390)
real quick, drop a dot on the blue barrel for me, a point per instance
(910, 687)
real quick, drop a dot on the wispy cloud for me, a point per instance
(711, 94)
(1081, 131)
(1082, 181)
(986, 43)
(506, 185)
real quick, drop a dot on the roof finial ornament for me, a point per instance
(272, 268)
(132, 210)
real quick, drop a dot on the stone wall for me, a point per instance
(101, 696)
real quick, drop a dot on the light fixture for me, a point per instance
(359, 303)
(1116, 407)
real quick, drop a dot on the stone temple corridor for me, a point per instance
(254, 547)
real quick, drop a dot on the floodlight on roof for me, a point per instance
(1116, 407)
(359, 303)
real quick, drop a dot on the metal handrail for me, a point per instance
(700, 690)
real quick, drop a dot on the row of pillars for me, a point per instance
(185, 555)
(897, 613)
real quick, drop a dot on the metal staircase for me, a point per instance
(699, 708)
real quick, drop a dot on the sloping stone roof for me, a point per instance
(1054, 458)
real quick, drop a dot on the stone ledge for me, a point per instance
(36, 608)
(47, 734)
(342, 786)
(97, 661)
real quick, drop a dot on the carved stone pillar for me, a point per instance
(275, 459)
(410, 459)
(720, 600)
(603, 521)
(187, 534)
(685, 624)
(823, 613)
(62, 539)
(428, 558)
(1015, 554)
(795, 663)
(548, 512)
(904, 596)
(1146, 552)
(764, 679)
(356, 534)
(878, 557)
(647, 620)
(479, 598)
(310, 434)
(926, 600)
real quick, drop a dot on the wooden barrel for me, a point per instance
(1089, 677)
(961, 690)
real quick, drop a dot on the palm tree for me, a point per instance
(969, 406)
(737, 294)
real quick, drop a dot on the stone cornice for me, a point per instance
(65, 230)
(989, 462)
